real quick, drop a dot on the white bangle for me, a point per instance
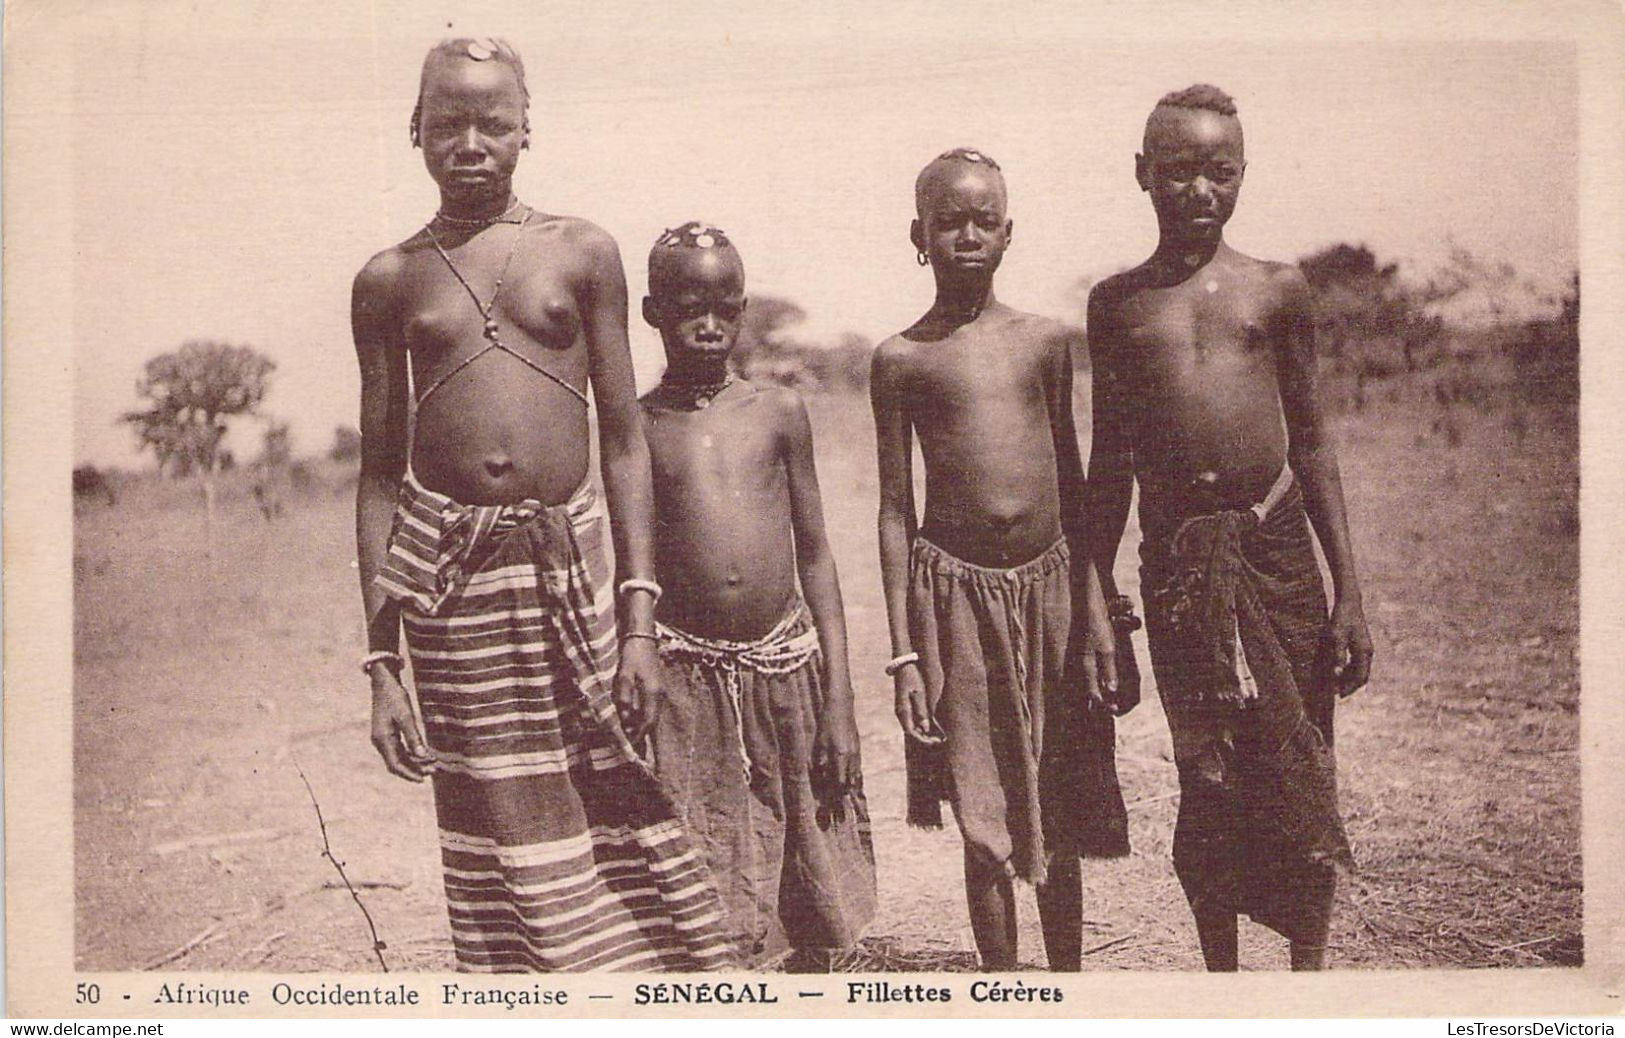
(639, 584)
(899, 662)
(372, 659)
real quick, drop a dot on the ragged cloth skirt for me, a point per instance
(734, 741)
(1236, 616)
(560, 849)
(1030, 771)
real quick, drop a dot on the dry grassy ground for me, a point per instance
(202, 687)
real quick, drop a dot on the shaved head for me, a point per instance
(693, 251)
(696, 299)
(948, 169)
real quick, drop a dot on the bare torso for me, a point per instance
(497, 430)
(1198, 365)
(978, 401)
(724, 543)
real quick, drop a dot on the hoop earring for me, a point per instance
(921, 258)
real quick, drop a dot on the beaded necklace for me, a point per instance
(694, 396)
(488, 307)
(483, 221)
(492, 331)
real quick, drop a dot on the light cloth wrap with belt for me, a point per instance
(734, 742)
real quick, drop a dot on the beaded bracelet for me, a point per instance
(899, 662)
(639, 584)
(629, 635)
(372, 659)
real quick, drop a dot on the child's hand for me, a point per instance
(836, 770)
(1127, 696)
(1096, 638)
(1350, 647)
(1098, 662)
(1120, 610)
(395, 731)
(912, 712)
(638, 694)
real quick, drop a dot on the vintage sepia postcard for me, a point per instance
(859, 510)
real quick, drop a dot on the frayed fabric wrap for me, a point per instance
(794, 863)
(1236, 614)
(1029, 770)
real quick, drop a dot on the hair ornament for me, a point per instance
(693, 235)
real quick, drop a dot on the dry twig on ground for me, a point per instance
(378, 945)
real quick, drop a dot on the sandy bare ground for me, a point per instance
(202, 687)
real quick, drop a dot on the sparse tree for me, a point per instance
(276, 448)
(846, 364)
(92, 484)
(346, 444)
(768, 350)
(191, 393)
(1369, 320)
(762, 333)
(1546, 352)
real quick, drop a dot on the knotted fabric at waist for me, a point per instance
(1208, 589)
(437, 541)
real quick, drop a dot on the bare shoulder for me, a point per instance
(1046, 330)
(378, 277)
(574, 231)
(1044, 336)
(1283, 277)
(593, 245)
(1101, 312)
(1107, 299)
(1109, 293)
(894, 356)
(375, 295)
(1288, 281)
(1282, 284)
(787, 407)
(1036, 327)
(778, 406)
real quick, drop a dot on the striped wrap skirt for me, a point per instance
(561, 850)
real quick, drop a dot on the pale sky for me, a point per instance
(232, 171)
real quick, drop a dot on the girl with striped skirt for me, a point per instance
(480, 533)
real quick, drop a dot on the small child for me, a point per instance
(1007, 704)
(1204, 393)
(756, 734)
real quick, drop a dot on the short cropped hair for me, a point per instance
(966, 155)
(1201, 95)
(484, 48)
(974, 156)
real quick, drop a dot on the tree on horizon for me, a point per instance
(191, 393)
